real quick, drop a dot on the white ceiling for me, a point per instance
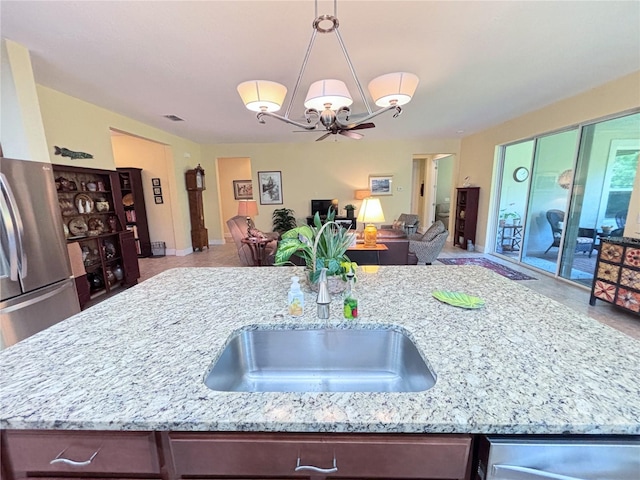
(479, 62)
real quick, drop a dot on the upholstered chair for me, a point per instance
(238, 229)
(427, 246)
(406, 221)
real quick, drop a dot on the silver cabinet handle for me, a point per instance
(73, 463)
(513, 472)
(334, 469)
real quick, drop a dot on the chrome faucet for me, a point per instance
(324, 298)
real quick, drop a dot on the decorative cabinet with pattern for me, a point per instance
(617, 274)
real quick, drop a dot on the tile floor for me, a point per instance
(575, 297)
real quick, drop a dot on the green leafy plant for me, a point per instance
(320, 246)
(350, 206)
(283, 220)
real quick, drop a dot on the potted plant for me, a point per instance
(350, 209)
(319, 246)
(283, 220)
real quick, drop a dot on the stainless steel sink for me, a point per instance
(336, 360)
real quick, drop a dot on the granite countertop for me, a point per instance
(522, 364)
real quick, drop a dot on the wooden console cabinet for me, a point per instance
(466, 216)
(617, 274)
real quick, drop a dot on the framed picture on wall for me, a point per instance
(243, 190)
(155, 182)
(381, 184)
(157, 190)
(158, 199)
(270, 188)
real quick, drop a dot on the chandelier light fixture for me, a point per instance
(328, 100)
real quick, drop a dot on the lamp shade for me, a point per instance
(262, 95)
(361, 194)
(371, 211)
(247, 208)
(332, 92)
(393, 88)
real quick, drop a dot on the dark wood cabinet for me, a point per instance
(135, 209)
(617, 274)
(56, 454)
(90, 202)
(352, 456)
(235, 455)
(466, 216)
(195, 185)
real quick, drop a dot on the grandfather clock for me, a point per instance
(195, 186)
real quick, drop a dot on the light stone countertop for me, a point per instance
(522, 364)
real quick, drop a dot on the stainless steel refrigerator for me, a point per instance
(36, 286)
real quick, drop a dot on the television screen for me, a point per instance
(322, 206)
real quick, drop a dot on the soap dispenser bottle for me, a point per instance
(350, 299)
(295, 298)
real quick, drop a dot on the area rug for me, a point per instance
(483, 262)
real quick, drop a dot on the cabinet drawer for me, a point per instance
(117, 452)
(356, 456)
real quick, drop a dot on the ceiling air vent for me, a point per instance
(174, 118)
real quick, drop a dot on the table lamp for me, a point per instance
(370, 213)
(248, 208)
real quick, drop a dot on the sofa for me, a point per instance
(397, 244)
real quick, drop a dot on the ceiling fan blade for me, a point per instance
(350, 134)
(323, 137)
(361, 126)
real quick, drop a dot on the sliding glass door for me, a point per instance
(570, 189)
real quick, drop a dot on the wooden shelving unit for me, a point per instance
(90, 202)
(466, 216)
(135, 209)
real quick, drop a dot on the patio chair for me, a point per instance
(586, 236)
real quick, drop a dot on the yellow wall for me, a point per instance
(21, 129)
(328, 170)
(78, 125)
(478, 151)
(230, 169)
(136, 152)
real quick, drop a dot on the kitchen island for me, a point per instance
(522, 364)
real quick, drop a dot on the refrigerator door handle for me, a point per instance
(15, 230)
(33, 301)
(514, 472)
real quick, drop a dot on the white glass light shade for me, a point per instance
(398, 87)
(371, 211)
(262, 95)
(333, 92)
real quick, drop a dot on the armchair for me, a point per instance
(406, 221)
(427, 246)
(238, 229)
(585, 242)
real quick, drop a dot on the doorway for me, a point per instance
(432, 186)
(561, 193)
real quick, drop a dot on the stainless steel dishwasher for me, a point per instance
(558, 458)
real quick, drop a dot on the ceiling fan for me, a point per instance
(346, 131)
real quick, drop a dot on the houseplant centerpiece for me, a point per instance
(319, 246)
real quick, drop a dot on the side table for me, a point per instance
(258, 249)
(366, 255)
